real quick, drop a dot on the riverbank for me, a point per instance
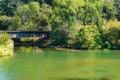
(64, 49)
(75, 50)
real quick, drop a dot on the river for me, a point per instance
(50, 64)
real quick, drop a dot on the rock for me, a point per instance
(7, 50)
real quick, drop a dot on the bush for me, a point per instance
(106, 45)
(4, 37)
(88, 38)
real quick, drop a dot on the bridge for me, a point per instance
(27, 34)
(39, 38)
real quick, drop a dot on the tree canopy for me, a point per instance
(81, 24)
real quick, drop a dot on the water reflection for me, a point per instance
(29, 49)
(80, 79)
(4, 74)
(48, 64)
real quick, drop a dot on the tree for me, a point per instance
(30, 17)
(7, 7)
(88, 38)
(109, 10)
(112, 35)
(23, 18)
(90, 13)
(117, 6)
(5, 21)
(63, 21)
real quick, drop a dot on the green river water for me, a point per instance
(49, 64)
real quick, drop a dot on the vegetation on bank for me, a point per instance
(78, 24)
(6, 45)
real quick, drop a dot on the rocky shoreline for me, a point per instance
(7, 50)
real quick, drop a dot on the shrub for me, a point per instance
(106, 45)
(4, 37)
(88, 38)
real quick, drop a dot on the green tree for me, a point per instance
(30, 17)
(112, 35)
(117, 6)
(90, 13)
(5, 21)
(88, 38)
(109, 10)
(63, 21)
(7, 7)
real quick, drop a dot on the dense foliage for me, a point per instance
(4, 38)
(79, 24)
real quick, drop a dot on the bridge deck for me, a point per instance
(24, 34)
